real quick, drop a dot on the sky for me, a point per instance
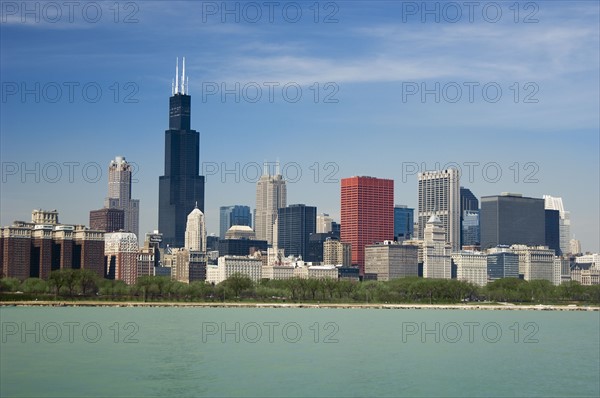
(508, 92)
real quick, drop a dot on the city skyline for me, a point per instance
(562, 126)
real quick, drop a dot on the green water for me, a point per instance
(297, 352)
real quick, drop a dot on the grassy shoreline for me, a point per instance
(479, 306)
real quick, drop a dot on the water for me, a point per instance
(297, 352)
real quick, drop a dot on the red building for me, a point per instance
(367, 214)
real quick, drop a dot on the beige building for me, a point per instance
(471, 266)
(436, 251)
(537, 262)
(240, 232)
(271, 194)
(336, 252)
(229, 265)
(391, 260)
(121, 251)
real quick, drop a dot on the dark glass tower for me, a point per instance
(182, 186)
(295, 224)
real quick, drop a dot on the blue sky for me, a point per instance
(364, 62)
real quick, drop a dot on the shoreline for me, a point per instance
(132, 304)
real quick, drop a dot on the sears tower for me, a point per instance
(182, 186)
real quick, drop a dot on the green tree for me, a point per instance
(88, 281)
(34, 285)
(9, 284)
(57, 281)
(238, 283)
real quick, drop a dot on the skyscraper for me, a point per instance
(552, 230)
(119, 194)
(271, 194)
(555, 203)
(195, 231)
(295, 224)
(367, 213)
(439, 195)
(437, 262)
(468, 202)
(181, 187)
(233, 215)
(510, 219)
(403, 222)
(470, 235)
(324, 223)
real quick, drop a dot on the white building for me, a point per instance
(240, 232)
(271, 194)
(316, 272)
(555, 203)
(277, 272)
(229, 265)
(537, 262)
(119, 193)
(121, 251)
(195, 231)
(324, 223)
(439, 195)
(471, 266)
(437, 262)
(575, 246)
(336, 252)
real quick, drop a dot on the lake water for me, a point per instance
(63, 352)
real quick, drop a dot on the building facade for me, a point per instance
(556, 203)
(233, 215)
(271, 194)
(439, 195)
(471, 266)
(502, 263)
(536, 262)
(391, 260)
(121, 251)
(437, 262)
(195, 231)
(107, 219)
(295, 224)
(404, 219)
(181, 187)
(367, 214)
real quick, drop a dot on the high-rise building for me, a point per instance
(509, 219)
(336, 252)
(195, 231)
(271, 194)
(575, 246)
(436, 250)
(119, 194)
(391, 260)
(107, 220)
(295, 224)
(552, 230)
(404, 218)
(121, 251)
(470, 228)
(555, 203)
(182, 186)
(367, 214)
(468, 201)
(324, 223)
(233, 215)
(502, 263)
(537, 262)
(316, 242)
(439, 195)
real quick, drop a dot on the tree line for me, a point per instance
(86, 285)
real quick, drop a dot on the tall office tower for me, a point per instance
(324, 223)
(182, 186)
(295, 224)
(336, 229)
(119, 194)
(468, 201)
(470, 228)
(233, 215)
(554, 203)
(121, 252)
(336, 252)
(195, 231)
(403, 222)
(552, 230)
(510, 219)
(367, 213)
(575, 246)
(271, 194)
(436, 250)
(439, 195)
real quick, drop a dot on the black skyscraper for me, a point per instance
(182, 186)
(468, 201)
(553, 230)
(295, 224)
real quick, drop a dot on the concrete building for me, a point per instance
(502, 263)
(271, 194)
(437, 262)
(188, 266)
(390, 260)
(240, 232)
(107, 220)
(195, 231)
(277, 272)
(316, 272)
(229, 265)
(439, 195)
(121, 251)
(536, 262)
(324, 223)
(575, 246)
(471, 267)
(119, 194)
(336, 252)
